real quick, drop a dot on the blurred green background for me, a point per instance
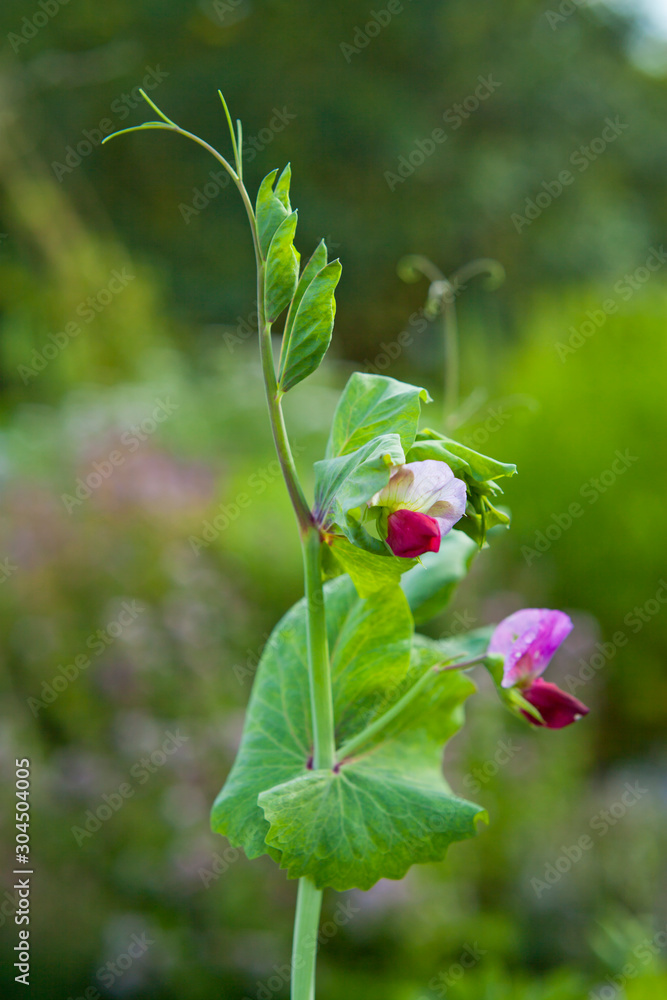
(126, 301)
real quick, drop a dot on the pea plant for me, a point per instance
(338, 776)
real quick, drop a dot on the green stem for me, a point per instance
(304, 947)
(309, 898)
(324, 746)
(383, 720)
(451, 337)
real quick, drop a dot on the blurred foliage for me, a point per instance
(193, 523)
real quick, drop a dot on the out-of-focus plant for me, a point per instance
(338, 774)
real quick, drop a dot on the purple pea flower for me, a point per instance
(527, 640)
(423, 500)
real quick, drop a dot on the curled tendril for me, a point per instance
(440, 300)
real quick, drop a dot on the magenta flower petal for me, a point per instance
(430, 492)
(528, 639)
(557, 708)
(411, 534)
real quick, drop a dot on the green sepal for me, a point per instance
(282, 269)
(310, 333)
(371, 405)
(511, 697)
(273, 206)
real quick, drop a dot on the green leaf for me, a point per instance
(368, 641)
(429, 587)
(310, 334)
(368, 571)
(372, 405)
(345, 483)
(479, 473)
(463, 461)
(282, 269)
(313, 267)
(389, 806)
(370, 822)
(272, 206)
(381, 811)
(281, 189)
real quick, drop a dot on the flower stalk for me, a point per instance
(382, 721)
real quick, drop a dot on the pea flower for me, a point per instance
(421, 502)
(527, 640)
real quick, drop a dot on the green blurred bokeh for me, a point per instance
(126, 302)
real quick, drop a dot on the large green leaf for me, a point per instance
(348, 482)
(282, 269)
(379, 812)
(372, 405)
(387, 807)
(273, 206)
(310, 333)
(277, 738)
(370, 821)
(430, 585)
